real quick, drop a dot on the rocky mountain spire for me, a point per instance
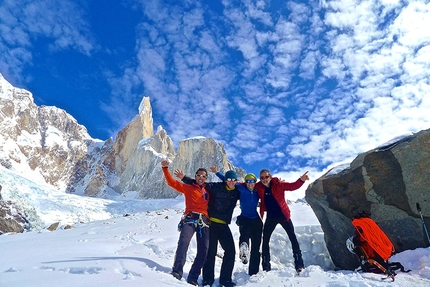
(48, 143)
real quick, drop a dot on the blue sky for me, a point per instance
(291, 86)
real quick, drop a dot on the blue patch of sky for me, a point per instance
(214, 6)
(114, 27)
(57, 86)
(277, 9)
(389, 17)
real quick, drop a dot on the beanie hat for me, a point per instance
(230, 174)
(250, 176)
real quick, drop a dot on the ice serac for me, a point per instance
(11, 217)
(386, 182)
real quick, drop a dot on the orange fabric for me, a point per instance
(371, 233)
(196, 197)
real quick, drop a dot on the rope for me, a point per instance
(374, 236)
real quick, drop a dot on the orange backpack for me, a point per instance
(372, 247)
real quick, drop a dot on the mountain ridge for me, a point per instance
(48, 144)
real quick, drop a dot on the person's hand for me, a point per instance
(304, 177)
(165, 163)
(213, 169)
(179, 173)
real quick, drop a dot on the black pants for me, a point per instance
(250, 230)
(202, 237)
(219, 233)
(269, 227)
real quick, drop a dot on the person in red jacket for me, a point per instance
(195, 220)
(271, 191)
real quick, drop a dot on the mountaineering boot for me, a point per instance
(227, 284)
(176, 275)
(266, 263)
(207, 283)
(298, 262)
(244, 252)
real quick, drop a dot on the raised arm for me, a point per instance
(179, 173)
(188, 180)
(220, 175)
(177, 185)
(304, 177)
(295, 185)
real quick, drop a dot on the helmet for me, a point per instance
(350, 244)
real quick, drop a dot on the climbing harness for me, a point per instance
(195, 218)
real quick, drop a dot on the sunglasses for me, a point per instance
(231, 179)
(201, 175)
(250, 181)
(264, 177)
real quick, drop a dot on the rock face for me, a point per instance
(50, 144)
(41, 140)
(130, 165)
(386, 182)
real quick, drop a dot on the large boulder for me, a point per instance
(386, 182)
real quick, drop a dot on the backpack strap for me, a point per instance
(396, 266)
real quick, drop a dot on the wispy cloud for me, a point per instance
(59, 24)
(283, 85)
(305, 84)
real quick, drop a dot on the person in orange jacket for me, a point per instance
(195, 220)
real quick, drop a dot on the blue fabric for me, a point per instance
(248, 199)
(272, 207)
(221, 200)
(231, 174)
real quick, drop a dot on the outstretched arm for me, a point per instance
(217, 173)
(178, 186)
(304, 177)
(179, 173)
(187, 180)
(213, 169)
(220, 175)
(295, 185)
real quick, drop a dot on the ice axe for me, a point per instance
(422, 219)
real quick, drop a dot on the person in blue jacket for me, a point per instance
(249, 222)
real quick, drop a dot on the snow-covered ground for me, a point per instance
(106, 248)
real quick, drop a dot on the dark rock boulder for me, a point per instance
(386, 182)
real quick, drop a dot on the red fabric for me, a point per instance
(196, 196)
(370, 232)
(367, 250)
(278, 191)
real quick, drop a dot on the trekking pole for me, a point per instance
(422, 219)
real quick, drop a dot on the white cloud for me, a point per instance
(409, 25)
(307, 84)
(21, 22)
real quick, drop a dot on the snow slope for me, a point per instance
(106, 248)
